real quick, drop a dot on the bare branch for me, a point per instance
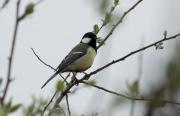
(11, 52)
(129, 97)
(45, 108)
(67, 102)
(42, 60)
(47, 65)
(120, 21)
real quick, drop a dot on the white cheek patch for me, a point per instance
(77, 52)
(86, 40)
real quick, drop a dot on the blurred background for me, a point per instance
(56, 26)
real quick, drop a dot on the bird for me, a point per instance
(80, 58)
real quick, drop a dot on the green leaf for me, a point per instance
(165, 33)
(92, 82)
(30, 108)
(159, 46)
(99, 40)
(15, 107)
(133, 88)
(107, 18)
(116, 2)
(6, 108)
(28, 11)
(57, 111)
(60, 86)
(96, 28)
(29, 8)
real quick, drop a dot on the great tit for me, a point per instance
(80, 58)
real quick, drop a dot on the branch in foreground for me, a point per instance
(87, 76)
(120, 21)
(129, 97)
(11, 52)
(67, 102)
(45, 108)
(47, 64)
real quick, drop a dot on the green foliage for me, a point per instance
(15, 107)
(57, 111)
(107, 18)
(60, 85)
(165, 33)
(35, 108)
(99, 40)
(95, 114)
(116, 2)
(29, 8)
(117, 101)
(157, 98)
(103, 5)
(133, 88)
(92, 82)
(157, 103)
(173, 72)
(159, 46)
(96, 28)
(8, 108)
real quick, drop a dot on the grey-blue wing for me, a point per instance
(70, 58)
(75, 54)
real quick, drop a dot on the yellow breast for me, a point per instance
(84, 62)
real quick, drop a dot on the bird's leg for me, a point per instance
(74, 79)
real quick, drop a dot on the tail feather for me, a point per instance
(56, 73)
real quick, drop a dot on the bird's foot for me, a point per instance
(74, 79)
(86, 76)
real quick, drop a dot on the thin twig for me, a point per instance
(47, 65)
(63, 93)
(119, 21)
(38, 2)
(128, 97)
(45, 108)
(53, 95)
(8, 78)
(67, 102)
(42, 60)
(100, 28)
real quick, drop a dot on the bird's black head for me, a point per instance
(89, 38)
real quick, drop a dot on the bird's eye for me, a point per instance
(86, 40)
